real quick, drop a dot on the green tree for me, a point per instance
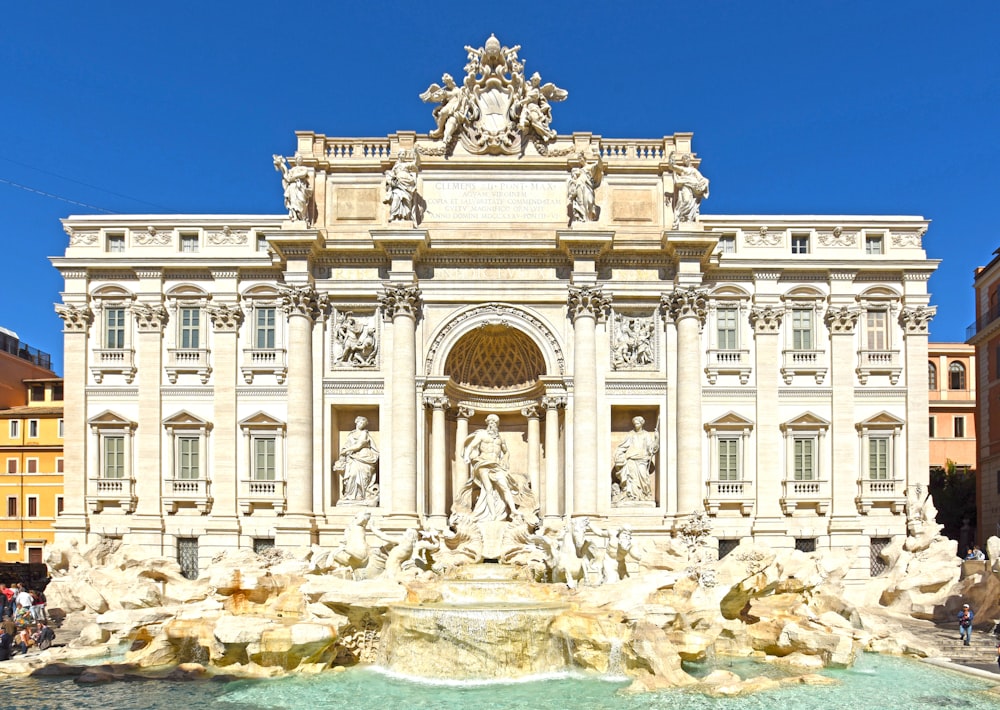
(954, 493)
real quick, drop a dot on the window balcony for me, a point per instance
(188, 360)
(804, 362)
(730, 494)
(262, 494)
(728, 362)
(813, 494)
(111, 493)
(113, 360)
(878, 362)
(264, 360)
(881, 492)
(187, 492)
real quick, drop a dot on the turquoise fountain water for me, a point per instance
(874, 683)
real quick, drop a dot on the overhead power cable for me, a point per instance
(86, 184)
(55, 197)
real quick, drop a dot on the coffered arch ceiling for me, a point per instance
(495, 357)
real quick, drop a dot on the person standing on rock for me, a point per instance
(965, 618)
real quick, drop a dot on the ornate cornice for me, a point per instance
(587, 301)
(149, 318)
(400, 301)
(686, 303)
(842, 320)
(75, 320)
(225, 319)
(915, 321)
(765, 319)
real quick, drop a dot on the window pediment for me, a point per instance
(110, 420)
(806, 422)
(261, 420)
(186, 420)
(730, 421)
(883, 420)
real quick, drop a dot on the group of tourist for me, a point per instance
(23, 625)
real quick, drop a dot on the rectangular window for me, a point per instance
(114, 457)
(31, 466)
(59, 505)
(59, 465)
(878, 564)
(877, 330)
(932, 427)
(802, 329)
(190, 323)
(265, 327)
(959, 427)
(37, 393)
(11, 506)
(727, 244)
(728, 461)
(60, 426)
(263, 459)
(11, 465)
(12, 546)
(15, 428)
(726, 321)
(187, 458)
(805, 544)
(800, 243)
(114, 328)
(261, 243)
(804, 453)
(116, 243)
(878, 458)
(57, 393)
(727, 545)
(32, 506)
(187, 556)
(874, 244)
(189, 243)
(32, 428)
(260, 544)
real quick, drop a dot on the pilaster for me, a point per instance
(766, 324)
(76, 324)
(915, 322)
(226, 321)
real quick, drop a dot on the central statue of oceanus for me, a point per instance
(496, 109)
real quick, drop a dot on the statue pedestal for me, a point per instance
(493, 531)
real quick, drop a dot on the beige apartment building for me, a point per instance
(497, 320)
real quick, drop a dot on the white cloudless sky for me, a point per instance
(796, 108)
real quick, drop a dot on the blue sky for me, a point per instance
(797, 108)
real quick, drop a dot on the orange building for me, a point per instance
(951, 377)
(31, 450)
(984, 335)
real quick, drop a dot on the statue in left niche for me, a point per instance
(358, 464)
(399, 187)
(297, 182)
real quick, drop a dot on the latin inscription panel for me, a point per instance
(494, 201)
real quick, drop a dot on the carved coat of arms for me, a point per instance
(496, 109)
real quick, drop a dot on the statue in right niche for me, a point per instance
(633, 471)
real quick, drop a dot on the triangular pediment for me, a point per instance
(882, 420)
(730, 421)
(110, 419)
(185, 418)
(807, 420)
(261, 420)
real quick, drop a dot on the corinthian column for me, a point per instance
(439, 457)
(226, 321)
(303, 306)
(401, 305)
(552, 495)
(586, 304)
(76, 322)
(915, 322)
(766, 323)
(460, 469)
(534, 446)
(687, 308)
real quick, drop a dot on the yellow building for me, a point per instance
(31, 453)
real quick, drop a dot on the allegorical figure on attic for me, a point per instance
(297, 183)
(690, 188)
(400, 189)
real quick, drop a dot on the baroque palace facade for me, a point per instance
(495, 320)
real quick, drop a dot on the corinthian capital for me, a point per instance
(842, 320)
(75, 320)
(587, 300)
(765, 319)
(915, 321)
(400, 301)
(225, 319)
(303, 301)
(686, 303)
(149, 318)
